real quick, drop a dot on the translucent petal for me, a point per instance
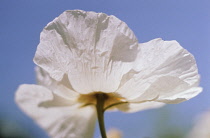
(164, 70)
(179, 97)
(135, 107)
(94, 50)
(59, 117)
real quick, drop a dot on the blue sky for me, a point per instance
(186, 21)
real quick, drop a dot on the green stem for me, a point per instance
(100, 112)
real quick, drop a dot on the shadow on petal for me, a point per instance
(57, 101)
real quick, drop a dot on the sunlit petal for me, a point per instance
(134, 107)
(164, 70)
(93, 49)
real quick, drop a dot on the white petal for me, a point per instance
(135, 107)
(173, 98)
(164, 70)
(58, 117)
(94, 49)
(43, 78)
(61, 88)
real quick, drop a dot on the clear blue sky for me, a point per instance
(187, 21)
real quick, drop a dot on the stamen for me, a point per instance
(110, 99)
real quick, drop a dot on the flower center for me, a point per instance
(110, 99)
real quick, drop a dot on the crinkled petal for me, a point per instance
(94, 50)
(164, 70)
(57, 117)
(135, 107)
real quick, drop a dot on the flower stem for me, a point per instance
(100, 112)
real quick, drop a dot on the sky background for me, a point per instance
(187, 21)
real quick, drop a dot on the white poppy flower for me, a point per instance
(83, 56)
(202, 127)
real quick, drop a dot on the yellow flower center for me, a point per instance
(110, 99)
